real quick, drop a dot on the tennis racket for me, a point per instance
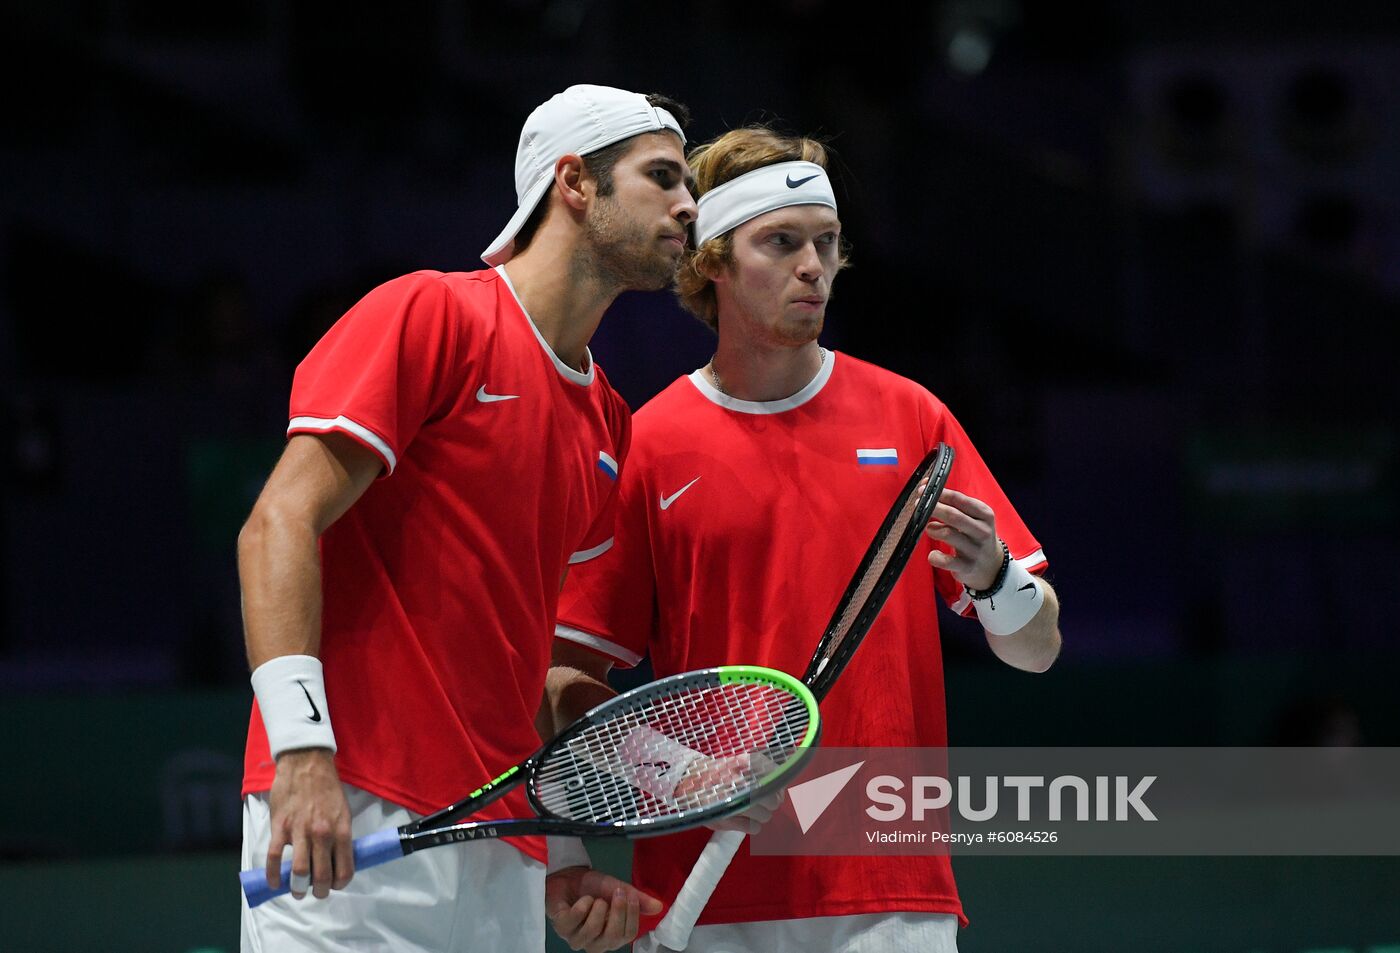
(879, 570)
(663, 757)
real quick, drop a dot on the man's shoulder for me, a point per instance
(461, 286)
(481, 278)
(866, 371)
(676, 404)
(677, 417)
(867, 378)
(613, 402)
(466, 286)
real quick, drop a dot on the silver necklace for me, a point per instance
(714, 376)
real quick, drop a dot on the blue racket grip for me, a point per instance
(370, 851)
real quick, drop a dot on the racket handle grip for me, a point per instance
(370, 851)
(673, 932)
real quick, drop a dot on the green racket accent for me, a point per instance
(755, 674)
(494, 781)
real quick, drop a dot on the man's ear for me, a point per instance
(711, 267)
(572, 183)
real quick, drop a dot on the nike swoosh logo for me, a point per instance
(315, 712)
(792, 185)
(666, 501)
(486, 398)
(1029, 585)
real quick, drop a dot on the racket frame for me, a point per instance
(822, 672)
(935, 467)
(436, 829)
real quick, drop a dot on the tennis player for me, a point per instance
(754, 486)
(453, 449)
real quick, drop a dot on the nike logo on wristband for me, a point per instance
(666, 501)
(315, 712)
(486, 398)
(794, 184)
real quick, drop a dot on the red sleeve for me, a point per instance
(609, 603)
(383, 368)
(971, 476)
(601, 535)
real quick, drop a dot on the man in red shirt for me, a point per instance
(752, 491)
(453, 449)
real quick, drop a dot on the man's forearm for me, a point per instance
(569, 692)
(1035, 646)
(279, 560)
(279, 572)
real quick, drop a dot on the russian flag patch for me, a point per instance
(887, 457)
(607, 464)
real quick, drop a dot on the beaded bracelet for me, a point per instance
(998, 582)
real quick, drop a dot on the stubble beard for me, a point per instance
(794, 332)
(623, 254)
(784, 332)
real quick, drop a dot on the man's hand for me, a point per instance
(968, 527)
(750, 821)
(721, 772)
(309, 811)
(593, 911)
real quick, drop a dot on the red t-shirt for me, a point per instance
(441, 582)
(740, 525)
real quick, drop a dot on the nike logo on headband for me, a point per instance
(792, 185)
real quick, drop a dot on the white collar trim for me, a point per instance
(582, 378)
(703, 384)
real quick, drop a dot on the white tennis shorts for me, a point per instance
(469, 897)
(861, 933)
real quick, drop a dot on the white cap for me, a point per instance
(580, 120)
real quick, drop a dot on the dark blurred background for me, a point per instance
(1147, 252)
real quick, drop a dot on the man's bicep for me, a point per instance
(319, 477)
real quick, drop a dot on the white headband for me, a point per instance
(762, 190)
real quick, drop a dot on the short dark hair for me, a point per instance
(600, 165)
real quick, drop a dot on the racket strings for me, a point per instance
(643, 768)
(630, 768)
(673, 755)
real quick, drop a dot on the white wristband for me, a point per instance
(291, 695)
(566, 852)
(1013, 605)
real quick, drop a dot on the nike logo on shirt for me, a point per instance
(486, 398)
(666, 501)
